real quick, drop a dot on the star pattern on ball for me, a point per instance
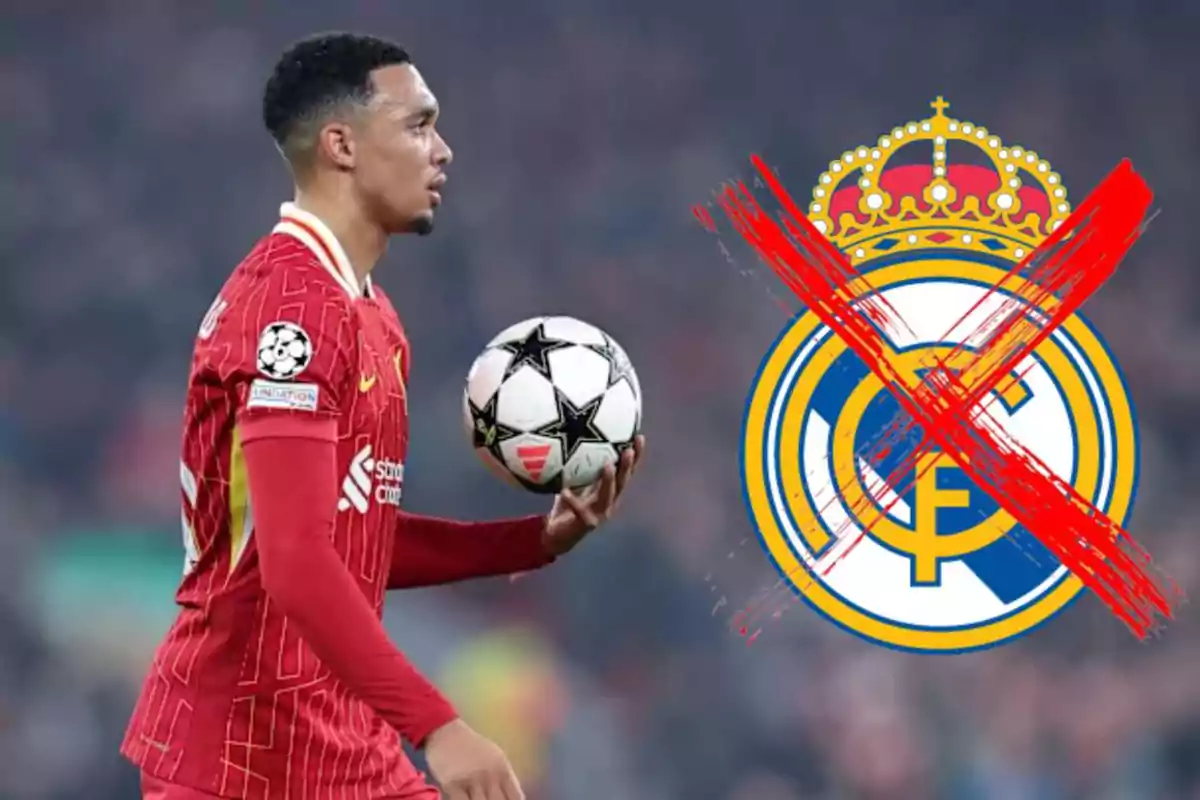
(619, 367)
(575, 424)
(532, 351)
(486, 431)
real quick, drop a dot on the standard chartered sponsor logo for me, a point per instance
(368, 478)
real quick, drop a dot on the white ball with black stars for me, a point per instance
(284, 350)
(550, 402)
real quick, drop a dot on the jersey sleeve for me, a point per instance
(430, 551)
(294, 485)
(295, 366)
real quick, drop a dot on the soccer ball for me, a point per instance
(551, 402)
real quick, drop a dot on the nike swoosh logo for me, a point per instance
(365, 383)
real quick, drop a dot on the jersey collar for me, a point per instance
(316, 236)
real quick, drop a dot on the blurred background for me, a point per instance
(138, 175)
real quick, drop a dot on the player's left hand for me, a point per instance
(576, 514)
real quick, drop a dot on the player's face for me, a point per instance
(401, 158)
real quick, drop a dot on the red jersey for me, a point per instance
(236, 703)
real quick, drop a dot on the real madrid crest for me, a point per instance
(935, 213)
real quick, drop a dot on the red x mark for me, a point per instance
(1068, 267)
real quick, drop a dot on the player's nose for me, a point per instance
(442, 154)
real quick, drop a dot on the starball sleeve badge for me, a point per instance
(939, 451)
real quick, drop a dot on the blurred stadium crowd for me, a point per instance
(139, 175)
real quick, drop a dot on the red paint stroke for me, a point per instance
(1008, 320)
(1066, 269)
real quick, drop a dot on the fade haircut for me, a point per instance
(317, 78)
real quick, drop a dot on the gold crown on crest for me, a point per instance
(869, 209)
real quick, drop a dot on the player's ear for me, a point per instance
(336, 142)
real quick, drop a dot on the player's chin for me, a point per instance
(420, 223)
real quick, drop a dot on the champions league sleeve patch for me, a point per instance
(284, 351)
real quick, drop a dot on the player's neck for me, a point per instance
(363, 242)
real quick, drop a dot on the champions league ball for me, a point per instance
(551, 402)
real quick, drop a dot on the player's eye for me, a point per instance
(424, 123)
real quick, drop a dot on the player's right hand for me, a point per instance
(469, 767)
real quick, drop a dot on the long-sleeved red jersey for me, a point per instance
(302, 375)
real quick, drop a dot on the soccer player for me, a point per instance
(278, 680)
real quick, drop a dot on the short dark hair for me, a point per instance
(316, 75)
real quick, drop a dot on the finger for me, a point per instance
(579, 508)
(512, 787)
(639, 449)
(496, 787)
(624, 470)
(587, 495)
(608, 492)
(456, 791)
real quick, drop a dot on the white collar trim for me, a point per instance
(314, 234)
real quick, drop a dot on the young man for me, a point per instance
(278, 680)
